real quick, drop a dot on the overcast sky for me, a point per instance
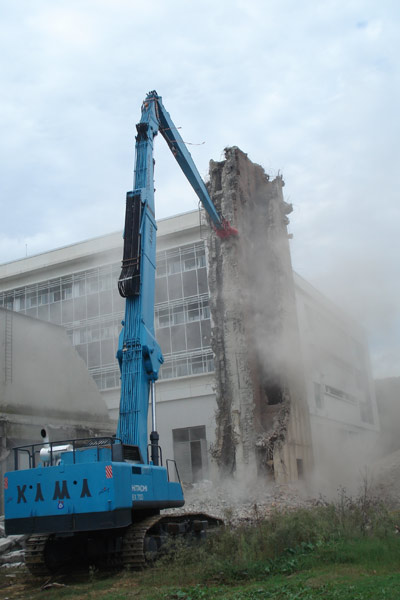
(307, 88)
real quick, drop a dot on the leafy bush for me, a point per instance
(281, 544)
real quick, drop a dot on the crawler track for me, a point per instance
(143, 540)
(132, 548)
(35, 557)
(133, 545)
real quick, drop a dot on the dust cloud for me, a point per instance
(271, 426)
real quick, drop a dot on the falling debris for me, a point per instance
(262, 417)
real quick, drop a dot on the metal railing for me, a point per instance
(33, 450)
(171, 460)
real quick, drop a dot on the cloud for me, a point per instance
(307, 88)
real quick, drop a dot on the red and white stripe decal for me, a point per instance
(6, 483)
(109, 471)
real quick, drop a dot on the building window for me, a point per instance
(31, 299)
(187, 364)
(105, 279)
(205, 310)
(92, 282)
(184, 312)
(193, 311)
(366, 412)
(161, 267)
(174, 265)
(300, 468)
(342, 395)
(55, 292)
(79, 287)
(182, 367)
(106, 378)
(43, 296)
(78, 336)
(91, 313)
(178, 315)
(19, 302)
(190, 453)
(197, 365)
(189, 262)
(318, 395)
(163, 318)
(66, 291)
(201, 259)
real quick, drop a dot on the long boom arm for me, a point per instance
(179, 149)
(139, 354)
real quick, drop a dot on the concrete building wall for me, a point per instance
(388, 402)
(43, 375)
(179, 416)
(340, 392)
(336, 362)
(186, 398)
(83, 298)
(44, 384)
(262, 418)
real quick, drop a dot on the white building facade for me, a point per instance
(76, 287)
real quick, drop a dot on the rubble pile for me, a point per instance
(385, 474)
(249, 505)
(11, 549)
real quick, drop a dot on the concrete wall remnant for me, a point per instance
(262, 416)
(44, 385)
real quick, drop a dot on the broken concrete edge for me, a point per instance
(11, 544)
(251, 436)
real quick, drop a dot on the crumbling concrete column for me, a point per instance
(262, 416)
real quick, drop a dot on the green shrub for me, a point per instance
(335, 532)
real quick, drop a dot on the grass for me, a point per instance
(348, 550)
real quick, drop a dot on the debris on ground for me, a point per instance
(385, 476)
(11, 549)
(246, 505)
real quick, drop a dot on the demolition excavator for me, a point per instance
(98, 500)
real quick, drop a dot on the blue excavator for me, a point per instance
(98, 500)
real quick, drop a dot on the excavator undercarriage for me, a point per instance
(132, 548)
